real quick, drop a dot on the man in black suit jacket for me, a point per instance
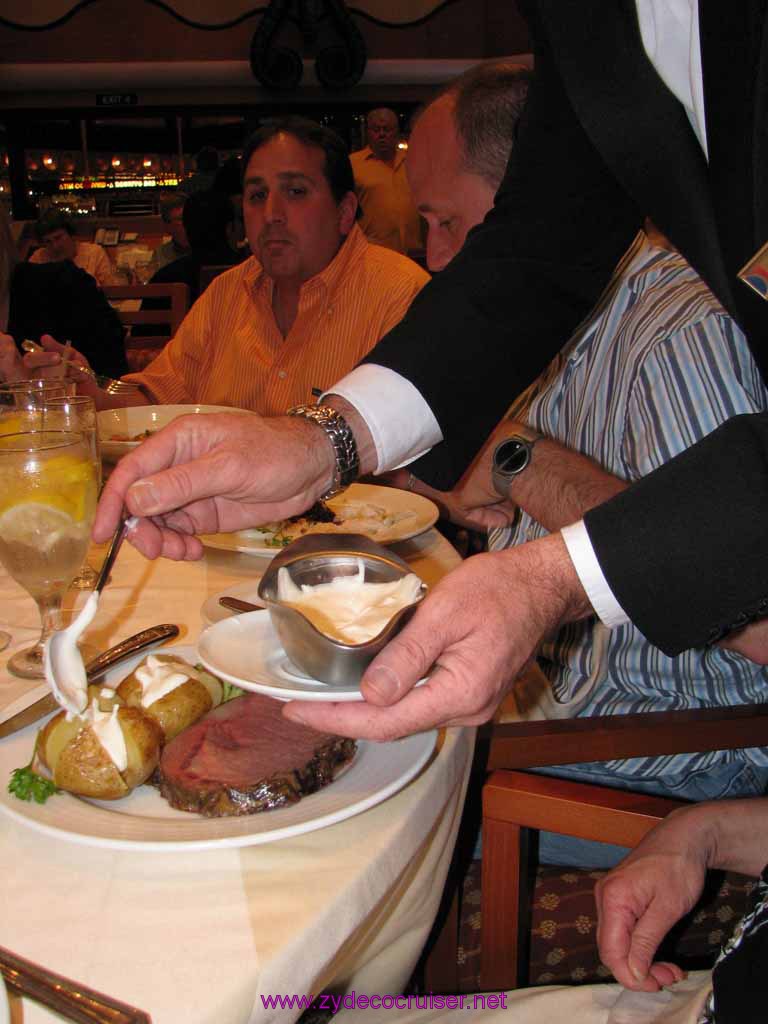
(602, 144)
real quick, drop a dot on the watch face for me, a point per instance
(511, 457)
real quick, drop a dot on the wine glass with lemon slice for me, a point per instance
(76, 414)
(48, 494)
(16, 402)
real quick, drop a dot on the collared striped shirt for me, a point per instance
(230, 351)
(658, 366)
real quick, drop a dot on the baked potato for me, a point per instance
(181, 706)
(78, 762)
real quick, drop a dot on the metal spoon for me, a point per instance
(62, 660)
(234, 604)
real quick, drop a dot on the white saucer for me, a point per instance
(245, 651)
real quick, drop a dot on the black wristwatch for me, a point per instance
(511, 457)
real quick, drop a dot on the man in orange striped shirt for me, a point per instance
(313, 299)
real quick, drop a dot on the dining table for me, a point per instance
(225, 934)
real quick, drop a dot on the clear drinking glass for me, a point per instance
(30, 393)
(48, 494)
(16, 399)
(22, 396)
(77, 414)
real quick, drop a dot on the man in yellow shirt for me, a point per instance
(389, 216)
(312, 300)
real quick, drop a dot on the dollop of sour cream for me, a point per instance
(65, 672)
(348, 608)
(107, 730)
(62, 661)
(158, 678)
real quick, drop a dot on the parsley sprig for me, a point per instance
(26, 784)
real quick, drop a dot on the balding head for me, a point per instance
(458, 151)
(382, 131)
(488, 103)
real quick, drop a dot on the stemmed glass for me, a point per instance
(27, 394)
(21, 397)
(77, 414)
(17, 397)
(48, 493)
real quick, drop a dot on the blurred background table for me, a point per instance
(201, 937)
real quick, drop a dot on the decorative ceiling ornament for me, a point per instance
(327, 31)
(41, 14)
(47, 14)
(398, 12)
(207, 15)
(44, 14)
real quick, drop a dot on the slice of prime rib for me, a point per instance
(244, 757)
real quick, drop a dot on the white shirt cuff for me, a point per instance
(401, 423)
(587, 567)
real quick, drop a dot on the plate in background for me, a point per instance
(136, 419)
(411, 514)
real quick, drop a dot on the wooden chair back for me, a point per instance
(516, 802)
(174, 299)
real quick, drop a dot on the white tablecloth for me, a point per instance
(204, 936)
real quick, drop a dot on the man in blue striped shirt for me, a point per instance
(658, 366)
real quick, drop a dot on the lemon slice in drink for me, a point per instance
(33, 522)
(65, 485)
(63, 471)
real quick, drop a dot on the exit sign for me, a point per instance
(116, 99)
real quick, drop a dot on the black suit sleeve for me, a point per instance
(96, 328)
(488, 324)
(64, 301)
(685, 549)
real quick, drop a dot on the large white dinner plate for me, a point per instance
(246, 651)
(144, 821)
(136, 419)
(211, 611)
(5, 1012)
(413, 514)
